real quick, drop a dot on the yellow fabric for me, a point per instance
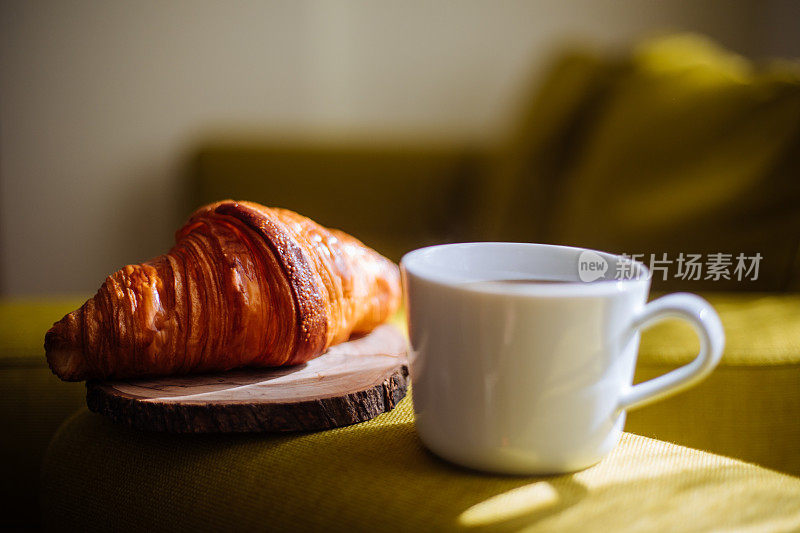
(377, 476)
(760, 330)
(751, 413)
(678, 147)
(749, 407)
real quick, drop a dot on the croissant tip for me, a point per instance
(65, 362)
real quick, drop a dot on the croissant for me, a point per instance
(244, 286)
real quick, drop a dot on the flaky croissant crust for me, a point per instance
(244, 285)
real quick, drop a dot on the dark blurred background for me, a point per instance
(405, 123)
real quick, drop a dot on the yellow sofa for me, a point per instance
(747, 409)
(676, 147)
(377, 476)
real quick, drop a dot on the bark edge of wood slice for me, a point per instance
(350, 383)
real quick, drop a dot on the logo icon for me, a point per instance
(591, 266)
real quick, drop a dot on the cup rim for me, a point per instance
(411, 264)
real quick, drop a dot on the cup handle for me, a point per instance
(708, 327)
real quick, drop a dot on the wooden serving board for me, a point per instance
(351, 382)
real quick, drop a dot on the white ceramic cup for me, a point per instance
(535, 378)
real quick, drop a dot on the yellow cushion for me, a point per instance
(749, 407)
(679, 146)
(377, 476)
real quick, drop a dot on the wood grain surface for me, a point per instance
(350, 383)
